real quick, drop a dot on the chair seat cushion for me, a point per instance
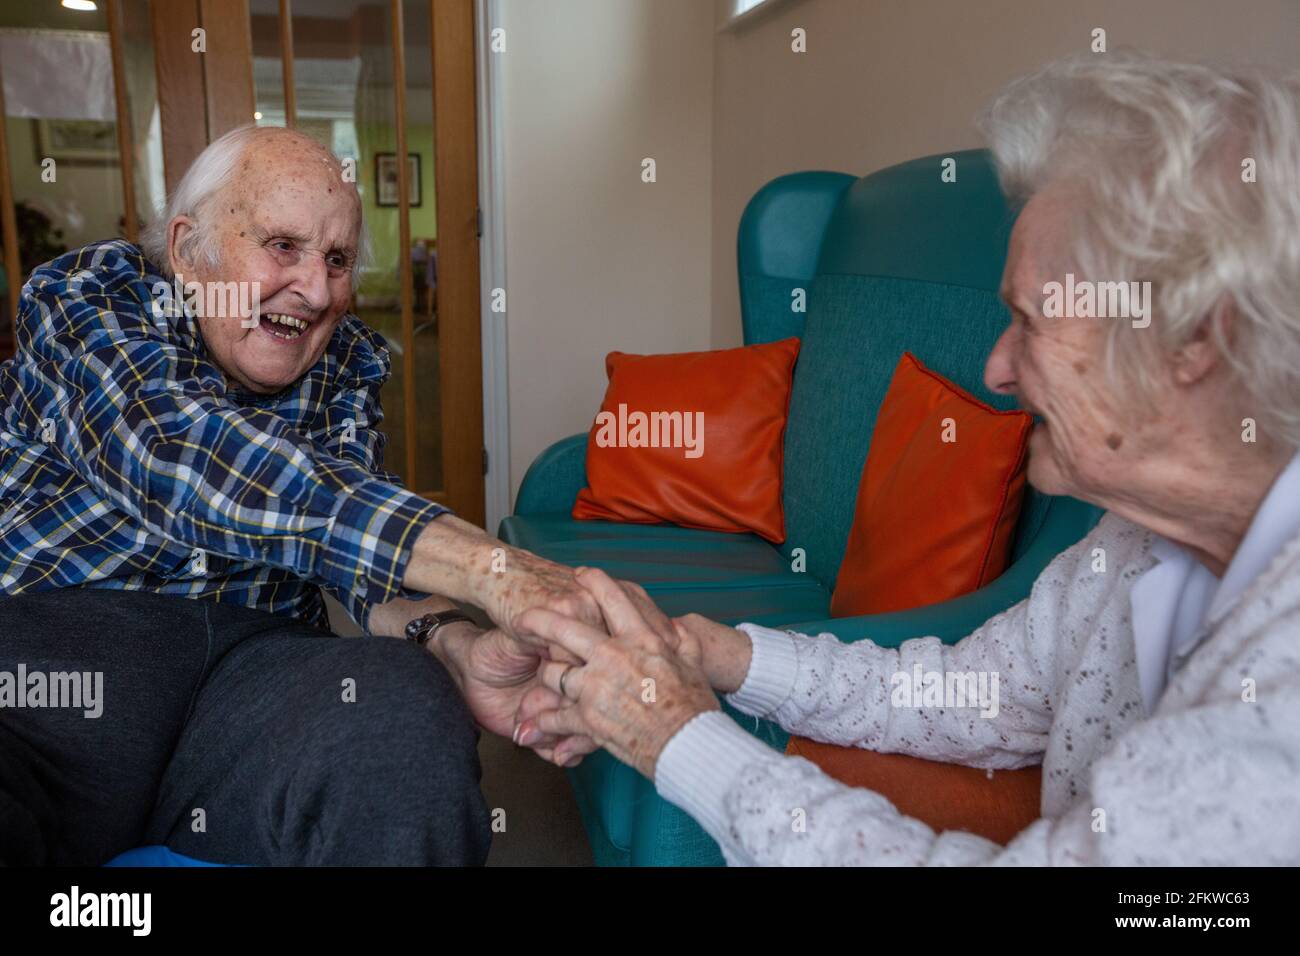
(996, 805)
(728, 577)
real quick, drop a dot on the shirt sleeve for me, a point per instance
(351, 429)
(147, 423)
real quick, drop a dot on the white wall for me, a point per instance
(598, 260)
(887, 80)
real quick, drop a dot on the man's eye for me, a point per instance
(284, 245)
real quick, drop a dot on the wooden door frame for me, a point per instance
(221, 78)
(492, 267)
(455, 173)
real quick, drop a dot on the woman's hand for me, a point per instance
(725, 652)
(634, 691)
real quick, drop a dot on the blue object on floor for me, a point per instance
(155, 856)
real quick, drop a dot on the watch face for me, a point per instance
(418, 629)
(422, 628)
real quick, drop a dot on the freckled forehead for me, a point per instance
(293, 186)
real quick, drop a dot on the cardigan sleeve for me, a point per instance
(1214, 784)
(1211, 778)
(987, 701)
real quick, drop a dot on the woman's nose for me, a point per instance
(999, 370)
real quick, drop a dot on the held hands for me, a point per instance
(497, 672)
(513, 672)
(535, 582)
(529, 581)
(634, 688)
(460, 561)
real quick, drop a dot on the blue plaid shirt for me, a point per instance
(127, 460)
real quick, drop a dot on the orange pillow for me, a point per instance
(939, 497)
(694, 439)
(995, 805)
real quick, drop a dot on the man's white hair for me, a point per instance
(199, 190)
(1157, 153)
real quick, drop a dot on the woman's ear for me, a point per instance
(178, 230)
(1204, 352)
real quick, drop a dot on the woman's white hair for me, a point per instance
(1159, 155)
(197, 192)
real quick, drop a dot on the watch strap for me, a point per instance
(422, 629)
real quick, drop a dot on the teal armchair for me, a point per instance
(897, 260)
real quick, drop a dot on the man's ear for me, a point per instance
(1204, 352)
(178, 230)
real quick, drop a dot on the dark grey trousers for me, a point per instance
(230, 735)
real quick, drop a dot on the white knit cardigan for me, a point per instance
(1211, 777)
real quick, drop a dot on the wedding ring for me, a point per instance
(564, 676)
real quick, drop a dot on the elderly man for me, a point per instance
(175, 490)
(1154, 670)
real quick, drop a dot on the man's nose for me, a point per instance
(311, 281)
(999, 370)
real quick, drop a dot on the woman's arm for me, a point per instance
(1215, 784)
(986, 701)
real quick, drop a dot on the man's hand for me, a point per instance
(634, 691)
(495, 672)
(455, 558)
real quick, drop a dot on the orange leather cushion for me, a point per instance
(939, 497)
(718, 463)
(943, 796)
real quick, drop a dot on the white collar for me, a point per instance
(1177, 601)
(1275, 523)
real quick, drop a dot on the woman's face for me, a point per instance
(1089, 435)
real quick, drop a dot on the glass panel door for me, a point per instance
(66, 183)
(362, 84)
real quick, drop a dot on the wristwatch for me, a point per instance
(422, 629)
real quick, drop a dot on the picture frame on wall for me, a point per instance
(75, 140)
(386, 192)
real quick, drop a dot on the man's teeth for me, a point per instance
(293, 327)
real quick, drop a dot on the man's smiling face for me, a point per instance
(290, 223)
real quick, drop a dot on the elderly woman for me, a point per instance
(1154, 670)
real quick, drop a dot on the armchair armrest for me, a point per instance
(950, 621)
(555, 477)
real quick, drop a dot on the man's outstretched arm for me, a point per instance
(148, 424)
